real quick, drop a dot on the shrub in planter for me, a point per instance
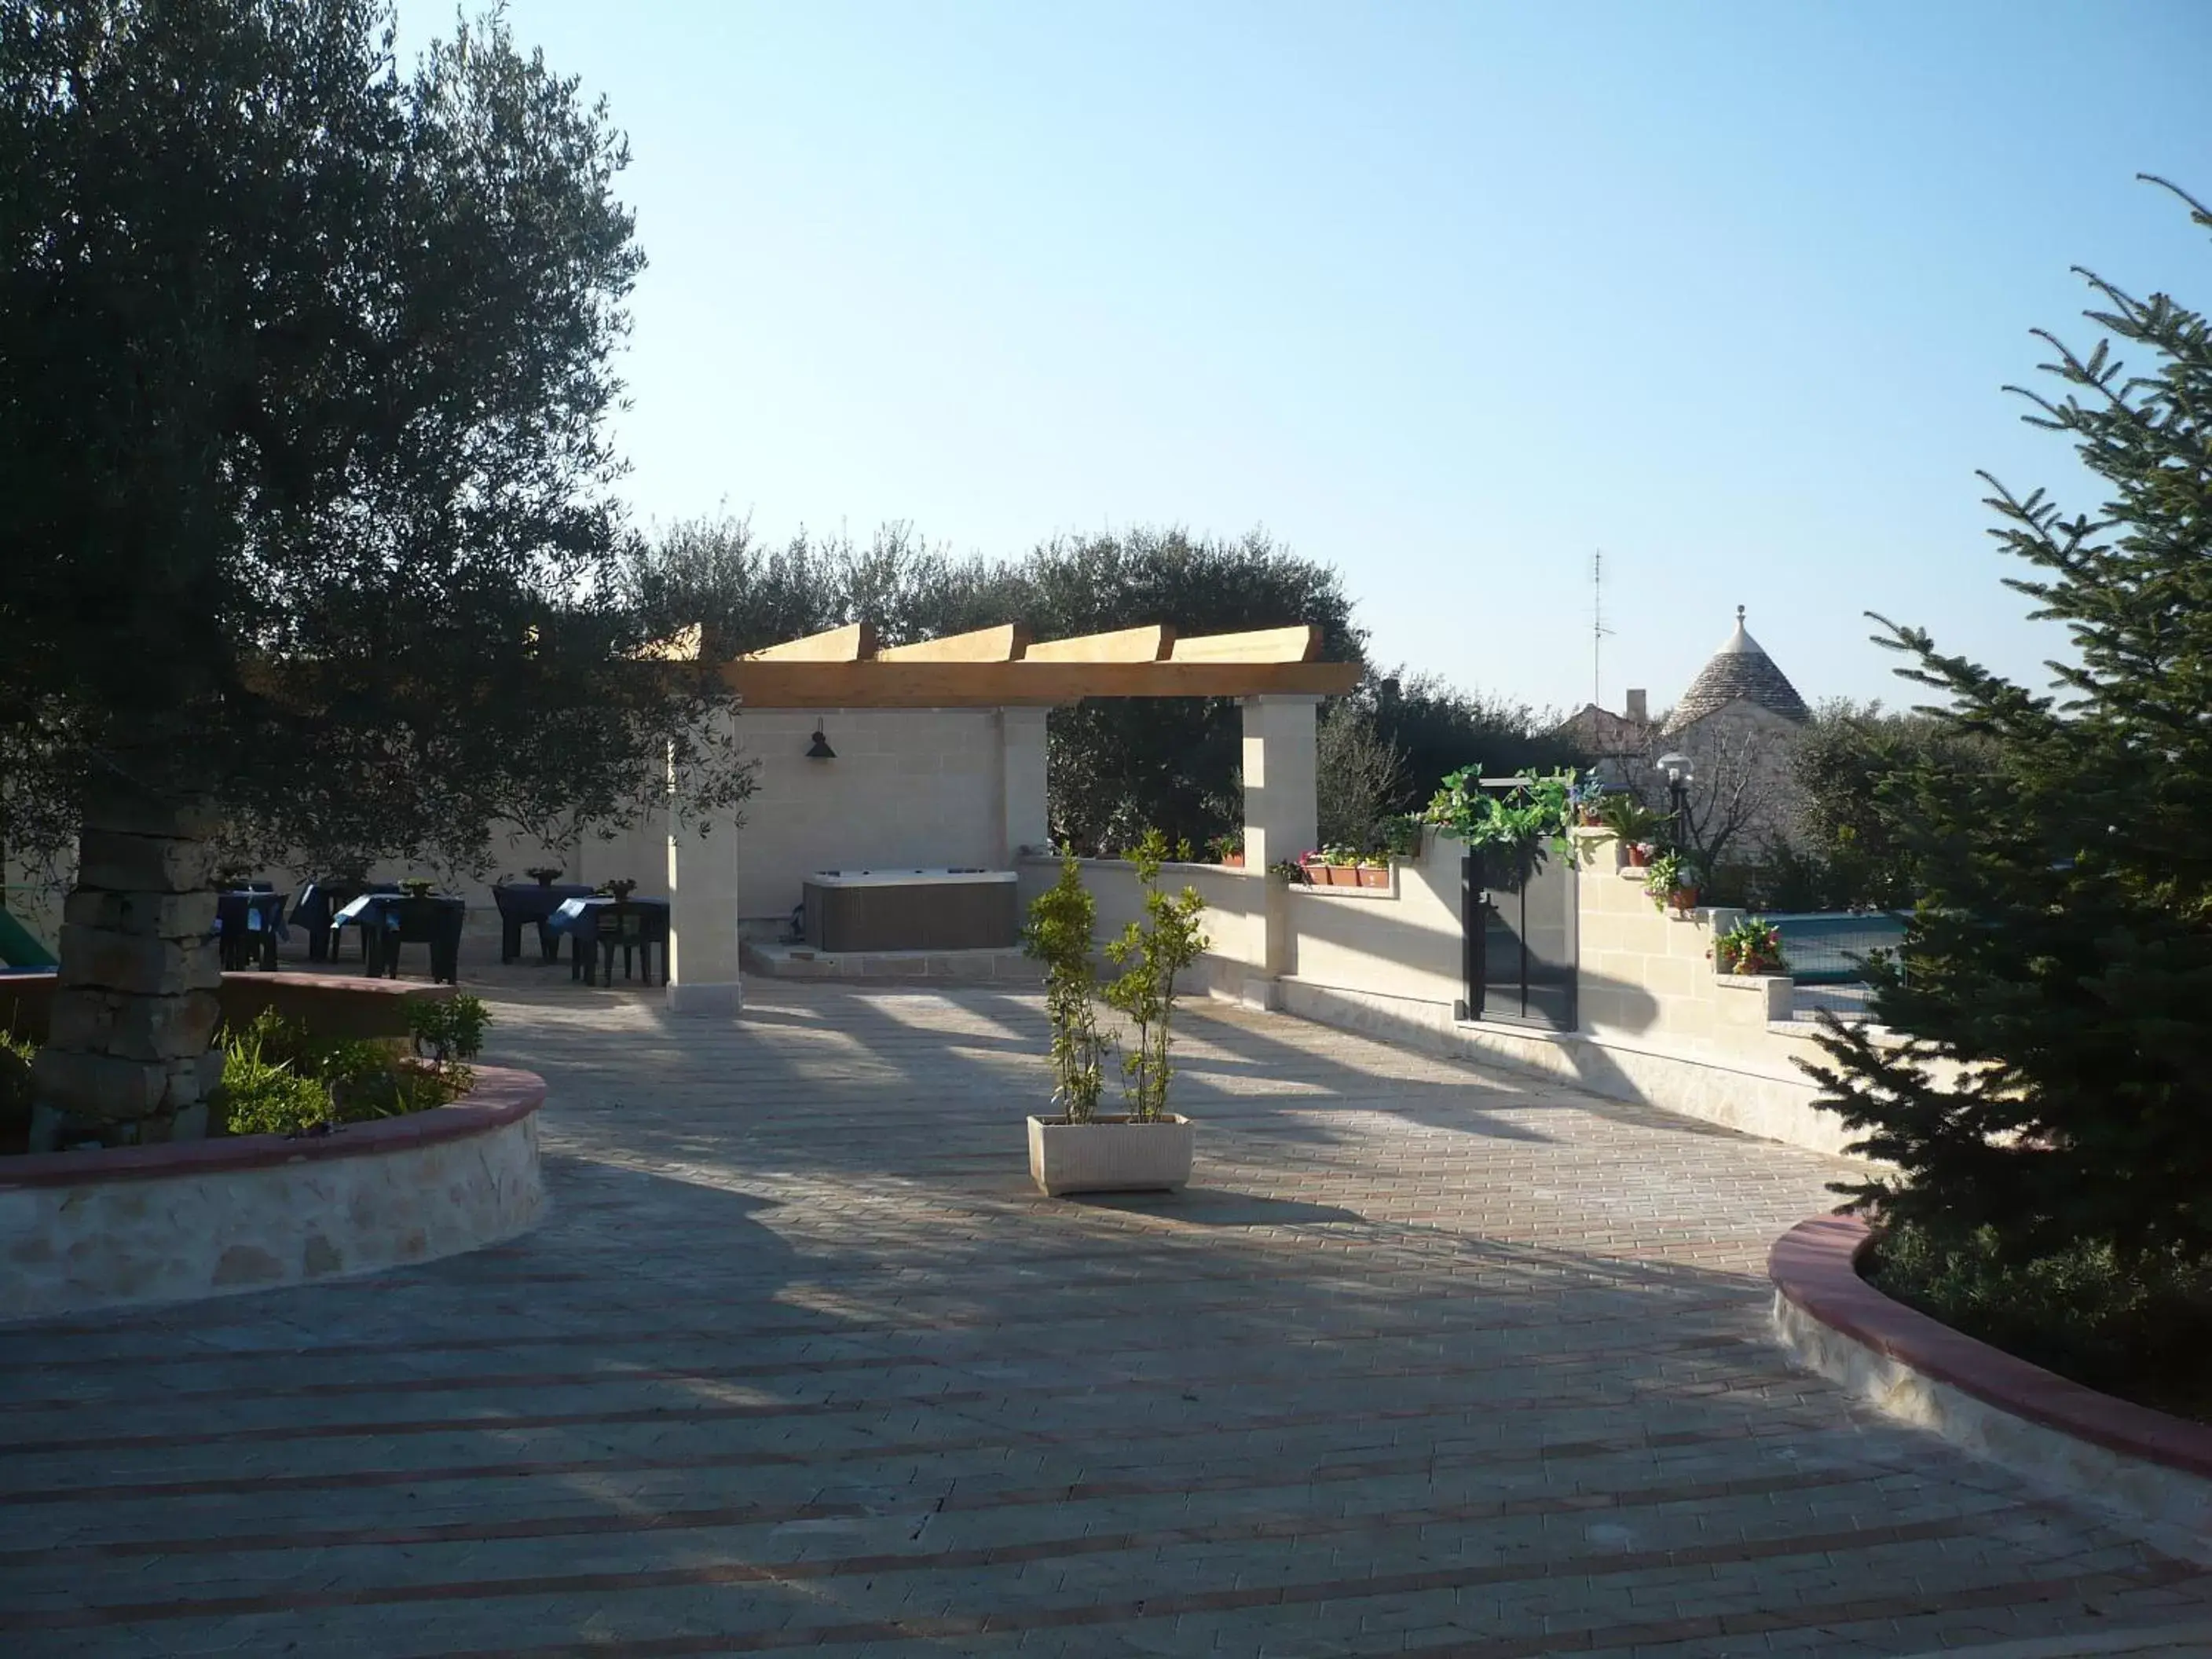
(1150, 1146)
(1752, 946)
(1672, 878)
(1633, 824)
(1227, 849)
(1059, 936)
(1149, 954)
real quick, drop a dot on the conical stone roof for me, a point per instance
(1739, 673)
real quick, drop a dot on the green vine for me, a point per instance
(1542, 809)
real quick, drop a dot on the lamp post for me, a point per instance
(1679, 777)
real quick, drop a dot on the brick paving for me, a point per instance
(1430, 1361)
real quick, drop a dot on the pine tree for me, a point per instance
(2058, 967)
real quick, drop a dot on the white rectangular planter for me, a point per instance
(1109, 1154)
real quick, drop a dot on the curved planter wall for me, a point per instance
(169, 1224)
(2030, 1419)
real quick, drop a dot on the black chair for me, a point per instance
(633, 927)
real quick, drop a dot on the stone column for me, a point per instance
(1281, 808)
(1022, 808)
(703, 975)
(126, 1060)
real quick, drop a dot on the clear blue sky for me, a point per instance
(1447, 296)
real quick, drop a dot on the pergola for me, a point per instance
(1272, 672)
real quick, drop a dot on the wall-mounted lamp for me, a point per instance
(820, 749)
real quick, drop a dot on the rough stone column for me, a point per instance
(127, 1059)
(704, 977)
(1282, 818)
(1023, 812)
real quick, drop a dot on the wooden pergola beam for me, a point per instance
(764, 683)
(1301, 643)
(1006, 643)
(1147, 644)
(856, 642)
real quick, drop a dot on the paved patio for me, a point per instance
(1430, 1360)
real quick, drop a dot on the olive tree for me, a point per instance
(304, 491)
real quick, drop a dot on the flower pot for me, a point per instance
(1232, 860)
(1638, 854)
(1371, 877)
(1683, 899)
(1109, 1155)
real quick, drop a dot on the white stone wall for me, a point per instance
(909, 787)
(1658, 1024)
(1235, 919)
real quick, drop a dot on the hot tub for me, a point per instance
(947, 910)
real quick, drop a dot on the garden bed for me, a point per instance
(171, 1223)
(2147, 1461)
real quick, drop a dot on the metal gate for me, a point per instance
(1517, 911)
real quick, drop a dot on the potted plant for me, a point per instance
(417, 886)
(1633, 824)
(1752, 946)
(1294, 872)
(1374, 871)
(1673, 879)
(544, 874)
(1227, 849)
(620, 891)
(1149, 1146)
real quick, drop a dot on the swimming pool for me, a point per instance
(1826, 947)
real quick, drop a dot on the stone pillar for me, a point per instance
(126, 1060)
(1022, 808)
(703, 975)
(1281, 808)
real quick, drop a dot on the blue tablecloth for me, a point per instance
(256, 909)
(582, 915)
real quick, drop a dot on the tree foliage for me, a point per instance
(1847, 853)
(2061, 954)
(1439, 728)
(303, 482)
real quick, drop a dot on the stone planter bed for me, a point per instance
(173, 1222)
(2149, 1463)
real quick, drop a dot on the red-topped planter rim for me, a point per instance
(1814, 1266)
(500, 1096)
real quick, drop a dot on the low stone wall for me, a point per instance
(336, 1005)
(1773, 1104)
(190, 1219)
(2151, 1465)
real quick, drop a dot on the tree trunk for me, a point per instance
(127, 1060)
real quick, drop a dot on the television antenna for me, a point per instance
(1598, 630)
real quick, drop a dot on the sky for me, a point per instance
(1449, 296)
